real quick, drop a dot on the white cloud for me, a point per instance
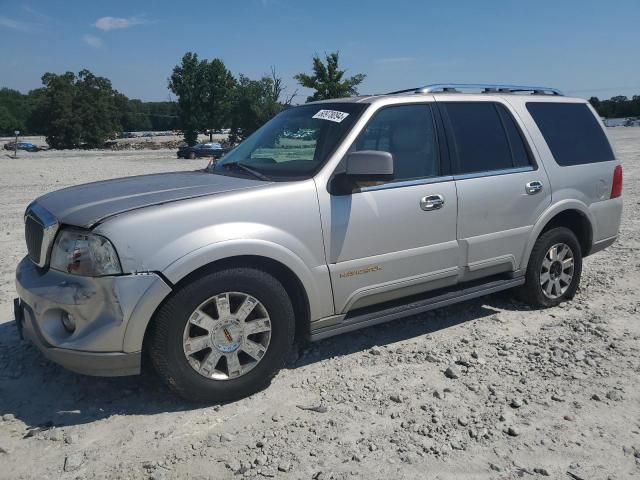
(115, 23)
(92, 41)
(12, 24)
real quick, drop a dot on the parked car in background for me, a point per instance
(27, 146)
(213, 149)
(400, 203)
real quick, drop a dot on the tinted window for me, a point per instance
(479, 138)
(572, 132)
(519, 152)
(408, 133)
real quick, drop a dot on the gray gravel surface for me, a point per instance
(484, 389)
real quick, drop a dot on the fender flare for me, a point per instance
(546, 217)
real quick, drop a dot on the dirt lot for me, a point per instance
(533, 393)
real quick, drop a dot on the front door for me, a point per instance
(397, 238)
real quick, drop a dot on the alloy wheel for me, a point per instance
(227, 336)
(556, 272)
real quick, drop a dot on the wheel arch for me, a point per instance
(578, 223)
(571, 214)
(136, 335)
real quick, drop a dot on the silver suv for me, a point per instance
(333, 216)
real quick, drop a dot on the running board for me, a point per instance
(356, 321)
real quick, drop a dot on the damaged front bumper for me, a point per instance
(100, 310)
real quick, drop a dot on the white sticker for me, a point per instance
(331, 115)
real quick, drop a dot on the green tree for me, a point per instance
(96, 109)
(163, 115)
(188, 83)
(220, 85)
(134, 114)
(54, 113)
(256, 102)
(15, 110)
(8, 123)
(328, 80)
(74, 111)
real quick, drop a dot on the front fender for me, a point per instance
(315, 280)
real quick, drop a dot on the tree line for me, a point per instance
(84, 110)
(617, 107)
(17, 112)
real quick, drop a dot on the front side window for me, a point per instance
(572, 132)
(408, 133)
(483, 137)
(295, 143)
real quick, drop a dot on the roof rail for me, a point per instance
(482, 87)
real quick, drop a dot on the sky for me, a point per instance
(587, 47)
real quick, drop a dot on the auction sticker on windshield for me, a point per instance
(331, 115)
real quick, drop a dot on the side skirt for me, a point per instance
(368, 317)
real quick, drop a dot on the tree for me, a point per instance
(74, 111)
(134, 114)
(163, 115)
(256, 102)
(55, 111)
(328, 80)
(220, 84)
(189, 83)
(96, 109)
(15, 110)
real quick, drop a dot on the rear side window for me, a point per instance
(483, 137)
(572, 132)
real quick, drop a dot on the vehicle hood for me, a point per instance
(88, 204)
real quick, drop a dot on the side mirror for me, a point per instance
(369, 165)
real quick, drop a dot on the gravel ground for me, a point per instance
(484, 389)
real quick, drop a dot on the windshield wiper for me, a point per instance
(246, 168)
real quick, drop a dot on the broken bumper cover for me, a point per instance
(100, 308)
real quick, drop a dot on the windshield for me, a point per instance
(295, 143)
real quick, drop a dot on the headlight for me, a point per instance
(84, 253)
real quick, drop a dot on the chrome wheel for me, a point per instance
(556, 272)
(227, 336)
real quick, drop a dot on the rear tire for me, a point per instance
(194, 377)
(192, 155)
(554, 269)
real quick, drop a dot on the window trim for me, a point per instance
(527, 148)
(453, 154)
(405, 183)
(494, 173)
(444, 166)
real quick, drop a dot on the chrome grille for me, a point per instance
(33, 233)
(40, 228)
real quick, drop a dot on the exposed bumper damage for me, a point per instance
(100, 308)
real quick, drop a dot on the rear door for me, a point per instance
(501, 189)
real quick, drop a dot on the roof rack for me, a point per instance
(482, 87)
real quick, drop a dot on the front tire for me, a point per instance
(554, 269)
(223, 336)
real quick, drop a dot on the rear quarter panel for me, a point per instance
(584, 187)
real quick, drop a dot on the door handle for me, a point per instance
(533, 187)
(432, 202)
